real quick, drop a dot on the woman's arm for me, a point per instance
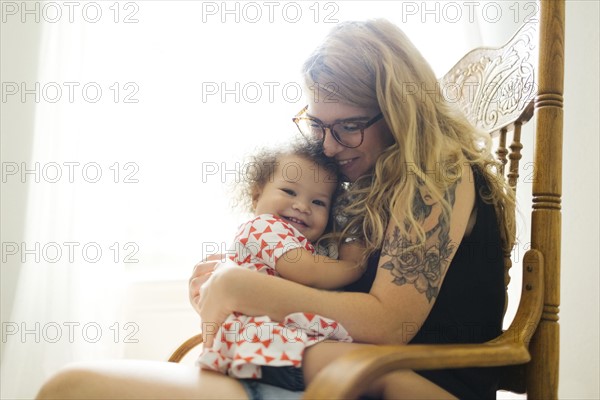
(320, 272)
(400, 299)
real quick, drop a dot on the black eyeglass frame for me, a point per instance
(323, 126)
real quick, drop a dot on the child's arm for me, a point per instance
(301, 266)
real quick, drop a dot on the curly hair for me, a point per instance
(260, 167)
(373, 64)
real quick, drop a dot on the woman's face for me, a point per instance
(358, 161)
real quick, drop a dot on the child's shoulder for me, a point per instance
(267, 220)
(269, 223)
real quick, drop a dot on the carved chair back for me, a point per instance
(495, 88)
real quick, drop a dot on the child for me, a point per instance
(291, 192)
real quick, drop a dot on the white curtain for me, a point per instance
(145, 111)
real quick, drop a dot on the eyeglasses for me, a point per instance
(349, 133)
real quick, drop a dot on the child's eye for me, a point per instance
(320, 203)
(288, 191)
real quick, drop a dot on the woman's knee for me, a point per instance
(68, 383)
(139, 379)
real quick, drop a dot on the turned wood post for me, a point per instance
(542, 372)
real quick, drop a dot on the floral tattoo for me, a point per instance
(422, 264)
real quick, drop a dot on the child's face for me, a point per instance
(300, 193)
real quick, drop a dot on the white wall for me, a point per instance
(20, 45)
(579, 312)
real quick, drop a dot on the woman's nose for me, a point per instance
(331, 147)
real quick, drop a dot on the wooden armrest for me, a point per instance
(347, 377)
(185, 348)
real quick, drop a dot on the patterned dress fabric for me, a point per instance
(243, 344)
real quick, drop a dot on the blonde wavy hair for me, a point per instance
(373, 64)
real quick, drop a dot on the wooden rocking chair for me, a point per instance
(499, 90)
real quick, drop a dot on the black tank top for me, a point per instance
(470, 304)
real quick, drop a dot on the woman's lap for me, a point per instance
(161, 380)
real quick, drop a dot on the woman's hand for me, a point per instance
(214, 303)
(202, 271)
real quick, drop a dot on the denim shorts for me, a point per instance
(286, 383)
(256, 390)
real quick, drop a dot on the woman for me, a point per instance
(427, 282)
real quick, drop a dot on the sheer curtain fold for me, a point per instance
(165, 150)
